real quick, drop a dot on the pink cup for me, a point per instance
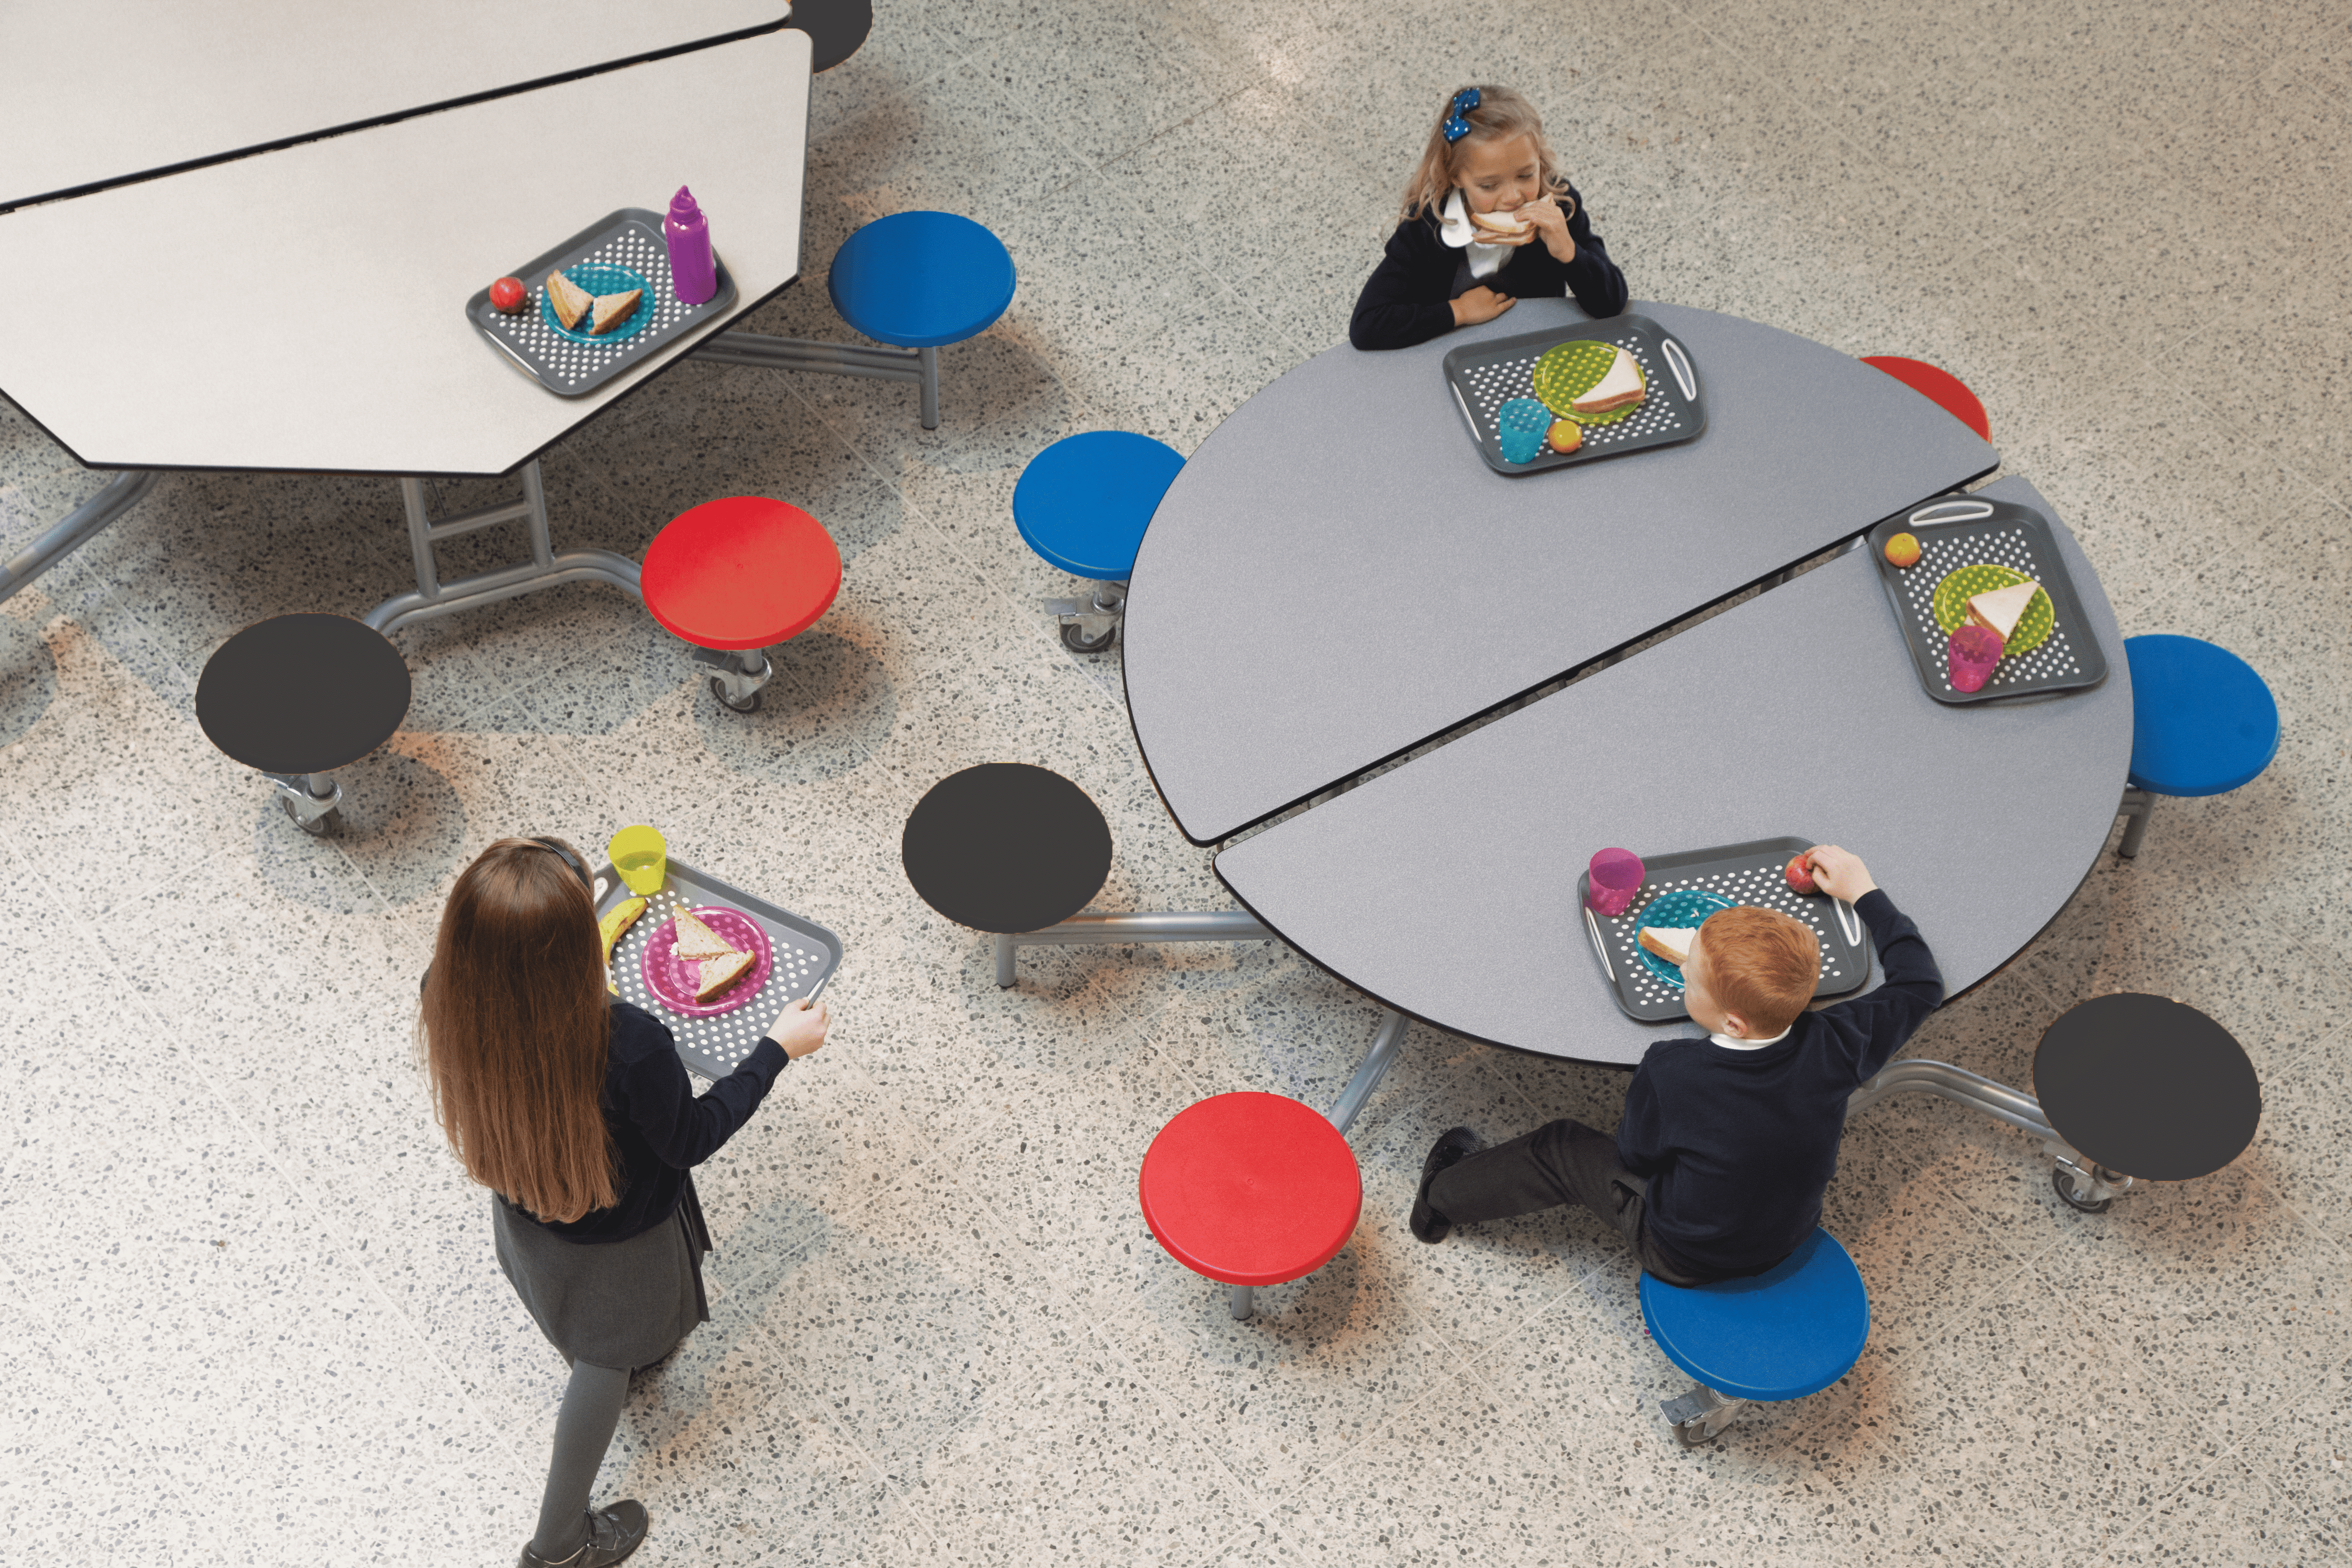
(1615, 878)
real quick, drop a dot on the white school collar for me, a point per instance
(1727, 1043)
(1454, 228)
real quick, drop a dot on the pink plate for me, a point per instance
(673, 981)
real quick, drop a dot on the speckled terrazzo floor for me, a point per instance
(251, 1303)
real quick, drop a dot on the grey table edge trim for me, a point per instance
(165, 171)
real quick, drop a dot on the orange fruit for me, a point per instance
(1902, 550)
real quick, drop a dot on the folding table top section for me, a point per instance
(304, 310)
(1447, 888)
(1336, 575)
(105, 90)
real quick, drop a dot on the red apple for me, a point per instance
(508, 294)
(1799, 873)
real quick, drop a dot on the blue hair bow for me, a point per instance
(1456, 125)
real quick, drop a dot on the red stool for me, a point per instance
(1251, 1189)
(736, 575)
(1939, 387)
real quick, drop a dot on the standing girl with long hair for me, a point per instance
(573, 1107)
(1489, 219)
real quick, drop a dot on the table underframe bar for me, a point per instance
(77, 528)
(545, 569)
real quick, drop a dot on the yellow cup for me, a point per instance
(641, 857)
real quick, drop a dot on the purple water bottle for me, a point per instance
(693, 271)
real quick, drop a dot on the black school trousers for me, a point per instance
(1562, 1162)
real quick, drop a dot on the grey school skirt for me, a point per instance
(621, 1304)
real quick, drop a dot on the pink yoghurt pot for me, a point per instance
(1613, 880)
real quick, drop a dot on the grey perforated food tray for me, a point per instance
(1484, 376)
(1751, 873)
(631, 238)
(806, 956)
(1963, 530)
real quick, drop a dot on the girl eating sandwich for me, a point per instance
(1488, 219)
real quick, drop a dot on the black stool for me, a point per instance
(2144, 1085)
(296, 698)
(1016, 851)
(835, 29)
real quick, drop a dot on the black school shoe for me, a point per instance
(1444, 1154)
(613, 1533)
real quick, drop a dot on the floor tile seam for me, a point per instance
(1235, 1486)
(354, 1258)
(812, 1402)
(984, 62)
(154, 1474)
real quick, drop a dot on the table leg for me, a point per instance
(1386, 1041)
(77, 528)
(545, 569)
(1241, 1301)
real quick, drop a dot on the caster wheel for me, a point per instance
(1076, 642)
(2065, 1191)
(1692, 1436)
(316, 827)
(718, 689)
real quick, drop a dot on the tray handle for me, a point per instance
(1600, 949)
(1465, 413)
(1681, 366)
(1951, 512)
(1849, 922)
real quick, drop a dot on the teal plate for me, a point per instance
(598, 278)
(1682, 907)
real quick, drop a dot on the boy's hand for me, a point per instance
(1480, 304)
(1839, 874)
(800, 1028)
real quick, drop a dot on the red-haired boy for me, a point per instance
(1726, 1143)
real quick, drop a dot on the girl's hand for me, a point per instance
(1480, 304)
(800, 1028)
(1552, 227)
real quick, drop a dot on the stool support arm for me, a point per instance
(761, 352)
(2082, 1182)
(1113, 930)
(2138, 806)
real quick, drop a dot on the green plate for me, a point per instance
(1953, 593)
(1568, 371)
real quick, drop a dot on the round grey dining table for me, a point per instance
(1337, 578)
(1336, 575)
(1447, 887)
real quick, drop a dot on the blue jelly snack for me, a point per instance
(1523, 423)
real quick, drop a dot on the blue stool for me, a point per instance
(1082, 504)
(1782, 1334)
(918, 280)
(2202, 724)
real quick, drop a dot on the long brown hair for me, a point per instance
(515, 1029)
(1501, 115)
